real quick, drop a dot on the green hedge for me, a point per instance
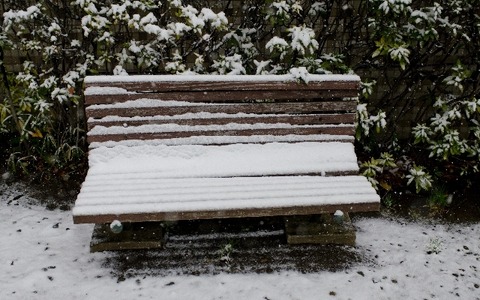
(419, 63)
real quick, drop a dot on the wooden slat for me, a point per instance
(152, 185)
(256, 139)
(227, 85)
(347, 118)
(350, 130)
(223, 96)
(258, 108)
(237, 213)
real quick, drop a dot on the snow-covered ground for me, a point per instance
(44, 256)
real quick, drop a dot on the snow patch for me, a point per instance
(40, 260)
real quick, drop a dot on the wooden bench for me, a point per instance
(181, 147)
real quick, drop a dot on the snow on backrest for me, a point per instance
(170, 108)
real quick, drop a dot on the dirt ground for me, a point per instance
(232, 246)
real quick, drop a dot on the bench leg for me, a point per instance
(148, 235)
(319, 229)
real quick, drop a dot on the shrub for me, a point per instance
(419, 63)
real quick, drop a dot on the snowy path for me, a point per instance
(44, 256)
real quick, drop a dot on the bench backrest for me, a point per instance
(212, 109)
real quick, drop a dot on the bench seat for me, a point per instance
(144, 183)
(209, 198)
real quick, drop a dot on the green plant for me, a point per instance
(371, 170)
(453, 133)
(434, 246)
(376, 167)
(422, 180)
(407, 33)
(388, 200)
(225, 253)
(439, 197)
(385, 171)
(41, 145)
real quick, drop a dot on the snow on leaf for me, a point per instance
(401, 55)
(440, 122)
(421, 133)
(230, 65)
(303, 39)
(261, 66)
(296, 7)
(419, 16)
(277, 44)
(60, 94)
(216, 20)
(71, 78)
(317, 8)
(282, 8)
(301, 74)
(119, 71)
(191, 15)
(10, 17)
(148, 19)
(178, 28)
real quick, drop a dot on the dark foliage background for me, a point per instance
(419, 63)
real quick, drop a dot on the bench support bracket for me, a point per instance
(148, 235)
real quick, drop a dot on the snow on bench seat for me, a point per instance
(194, 181)
(157, 198)
(225, 161)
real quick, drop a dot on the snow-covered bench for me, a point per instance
(171, 147)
